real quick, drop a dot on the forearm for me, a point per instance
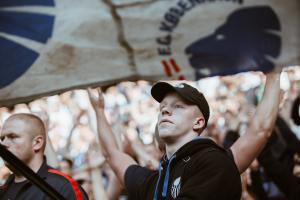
(267, 110)
(105, 133)
(114, 188)
(248, 147)
(118, 160)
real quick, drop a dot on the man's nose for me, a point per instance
(4, 143)
(166, 111)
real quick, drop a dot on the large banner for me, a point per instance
(49, 46)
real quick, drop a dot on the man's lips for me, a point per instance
(165, 121)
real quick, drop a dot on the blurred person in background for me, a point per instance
(4, 174)
(278, 159)
(295, 114)
(66, 166)
(86, 184)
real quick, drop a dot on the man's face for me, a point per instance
(15, 137)
(176, 117)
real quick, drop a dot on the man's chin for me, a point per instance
(6, 164)
(165, 132)
(167, 137)
(10, 167)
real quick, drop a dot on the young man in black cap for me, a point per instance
(193, 167)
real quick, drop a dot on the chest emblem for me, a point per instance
(176, 187)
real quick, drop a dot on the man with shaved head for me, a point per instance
(24, 135)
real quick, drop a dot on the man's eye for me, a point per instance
(178, 106)
(11, 136)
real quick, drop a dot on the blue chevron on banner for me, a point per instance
(8, 3)
(16, 59)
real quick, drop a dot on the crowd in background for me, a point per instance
(74, 147)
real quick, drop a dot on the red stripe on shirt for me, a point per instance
(74, 184)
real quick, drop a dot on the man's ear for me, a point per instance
(199, 124)
(38, 143)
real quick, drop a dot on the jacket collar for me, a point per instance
(43, 171)
(190, 148)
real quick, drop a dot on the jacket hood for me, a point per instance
(187, 150)
(195, 146)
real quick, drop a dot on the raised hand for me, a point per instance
(118, 160)
(96, 98)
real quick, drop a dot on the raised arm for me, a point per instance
(118, 160)
(248, 147)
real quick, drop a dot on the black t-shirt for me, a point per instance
(62, 183)
(13, 190)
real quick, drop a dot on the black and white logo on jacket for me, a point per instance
(176, 188)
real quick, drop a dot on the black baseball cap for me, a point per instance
(187, 92)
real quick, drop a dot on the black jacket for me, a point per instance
(277, 159)
(199, 170)
(64, 184)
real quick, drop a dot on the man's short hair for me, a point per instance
(39, 124)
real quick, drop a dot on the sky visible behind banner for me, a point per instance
(49, 46)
